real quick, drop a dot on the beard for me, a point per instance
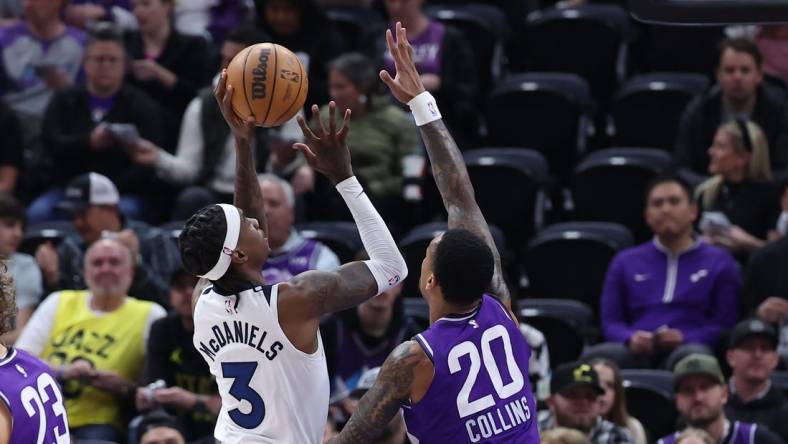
(704, 418)
(584, 423)
(107, 287)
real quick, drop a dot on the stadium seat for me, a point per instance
(173, 227)
(776, 83)
(608, 185)
(354, 24)
(513, 10)
(569, 260)
(52, 231)
(563, 323)
(524, 174)
(548, 112)
(341, 237)
(663, 48)
(413, 246)
(485, 29)
(780, 379)
(587, 40)
(649, 392)
(647, 109)
(418, 310)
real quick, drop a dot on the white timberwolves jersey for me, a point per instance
(271, 391)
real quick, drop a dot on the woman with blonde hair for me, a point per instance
(613, 403)
(692, 435)
(563, 435)
(739, 201)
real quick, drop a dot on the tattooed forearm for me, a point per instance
(382, 402)
(330, 292)
(454, 184)
(248, 196)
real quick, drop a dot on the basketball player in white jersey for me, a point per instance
(262, 342)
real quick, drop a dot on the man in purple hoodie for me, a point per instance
(672, 295)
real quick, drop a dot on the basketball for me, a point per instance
(269, 83)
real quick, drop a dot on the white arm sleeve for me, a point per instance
(184, 167)
(35, 335)
(385, 261)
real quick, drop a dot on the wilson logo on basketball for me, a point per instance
(260, 75)
(285, 74)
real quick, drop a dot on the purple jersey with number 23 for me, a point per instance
(480, 392)
(34, 399)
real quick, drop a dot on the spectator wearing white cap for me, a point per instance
(395, 432)
(92, 200)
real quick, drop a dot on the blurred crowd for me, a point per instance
(111, 138)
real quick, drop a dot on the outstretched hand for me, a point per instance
(242, 129)
(406, 83)
(327, 150)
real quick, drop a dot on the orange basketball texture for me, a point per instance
(269, 83)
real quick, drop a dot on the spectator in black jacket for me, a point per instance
(740, 188)
(79, 136)
(739, 93)
(10, 150)
(444, 60)
(171, 67)
(189, 391)
(752, 356)
(765, 282)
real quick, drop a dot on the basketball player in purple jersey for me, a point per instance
(464, 379)
(31, 403)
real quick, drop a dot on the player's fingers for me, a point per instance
(406, 50)
(345, 125)
(218, 92)
(332, 117)
(386, 78)
(402, 38)
(394, 50)
(305, 128)
(227, 98)
(316, 116)
(308, 154)
(249, 123)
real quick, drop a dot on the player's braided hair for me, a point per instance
(7, 299)
(202, 239)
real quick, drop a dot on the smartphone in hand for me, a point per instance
(126, 133)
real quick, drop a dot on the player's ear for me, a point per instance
(239, 257)
(432, 282)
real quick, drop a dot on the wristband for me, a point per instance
(424, 109)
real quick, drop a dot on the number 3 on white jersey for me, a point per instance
(241, 373)
(465, 406)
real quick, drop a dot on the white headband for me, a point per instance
(230, 242)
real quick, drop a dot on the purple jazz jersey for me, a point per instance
(34, 400)
(480, 392)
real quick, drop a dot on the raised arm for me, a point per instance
(248, 196)
(406, 370)
(319, 292)
(448, 166)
